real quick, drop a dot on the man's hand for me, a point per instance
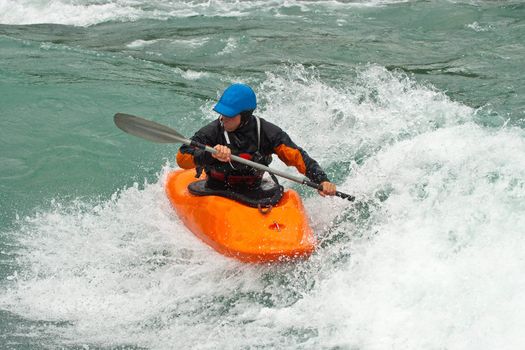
(328, 189)
(223, 153)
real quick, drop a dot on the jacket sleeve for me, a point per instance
(293, 155)
(190, 157)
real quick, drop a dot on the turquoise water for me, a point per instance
(415, 107)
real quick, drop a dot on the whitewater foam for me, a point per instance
(88, 12)
(377, 110)
(429, 256)
(441, 260)
(138, 44)
(64, 12)
(231, 45)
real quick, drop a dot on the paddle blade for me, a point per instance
(147, 129)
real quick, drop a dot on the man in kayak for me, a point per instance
(238, 131)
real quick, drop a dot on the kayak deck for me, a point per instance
(240, 231)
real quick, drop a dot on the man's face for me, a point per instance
(230, 124)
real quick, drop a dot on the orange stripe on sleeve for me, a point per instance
(291, 157)
(185, 160)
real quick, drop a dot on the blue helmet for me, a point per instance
(235, 99)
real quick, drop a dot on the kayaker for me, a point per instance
(237, 131)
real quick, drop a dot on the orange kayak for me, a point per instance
(240, 231)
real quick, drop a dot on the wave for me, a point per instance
(430, 255)
(91, 12)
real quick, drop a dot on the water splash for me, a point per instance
(430, 255)
(350, 123)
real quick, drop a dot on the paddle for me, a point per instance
(159, 133)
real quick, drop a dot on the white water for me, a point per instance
(91, 12)
(436, 261)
